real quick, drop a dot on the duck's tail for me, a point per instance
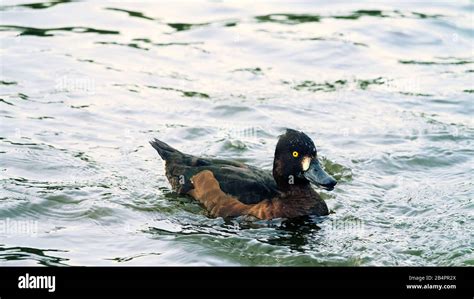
(163, 149)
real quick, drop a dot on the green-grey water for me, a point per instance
(384, 88)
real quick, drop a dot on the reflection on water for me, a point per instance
(385, 90)
(50, 31)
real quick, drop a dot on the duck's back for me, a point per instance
(246, 183)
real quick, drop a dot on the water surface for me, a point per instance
(385, 90)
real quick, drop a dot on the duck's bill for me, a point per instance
(316, 175)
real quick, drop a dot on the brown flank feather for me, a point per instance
(291, 204)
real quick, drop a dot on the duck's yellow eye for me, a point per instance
(295, 154)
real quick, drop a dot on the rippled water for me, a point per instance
(385, 90)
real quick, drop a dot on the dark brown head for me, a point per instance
(296, 162)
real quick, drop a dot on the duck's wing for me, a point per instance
(246, 183)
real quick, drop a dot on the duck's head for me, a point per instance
(296, 162)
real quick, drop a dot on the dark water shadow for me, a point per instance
(294, 19)
(442, 61)
(296, 233)
(39, 5)
(29, 253)
(185, 26)
(289, 19)
(132, 257)
(131, 13)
